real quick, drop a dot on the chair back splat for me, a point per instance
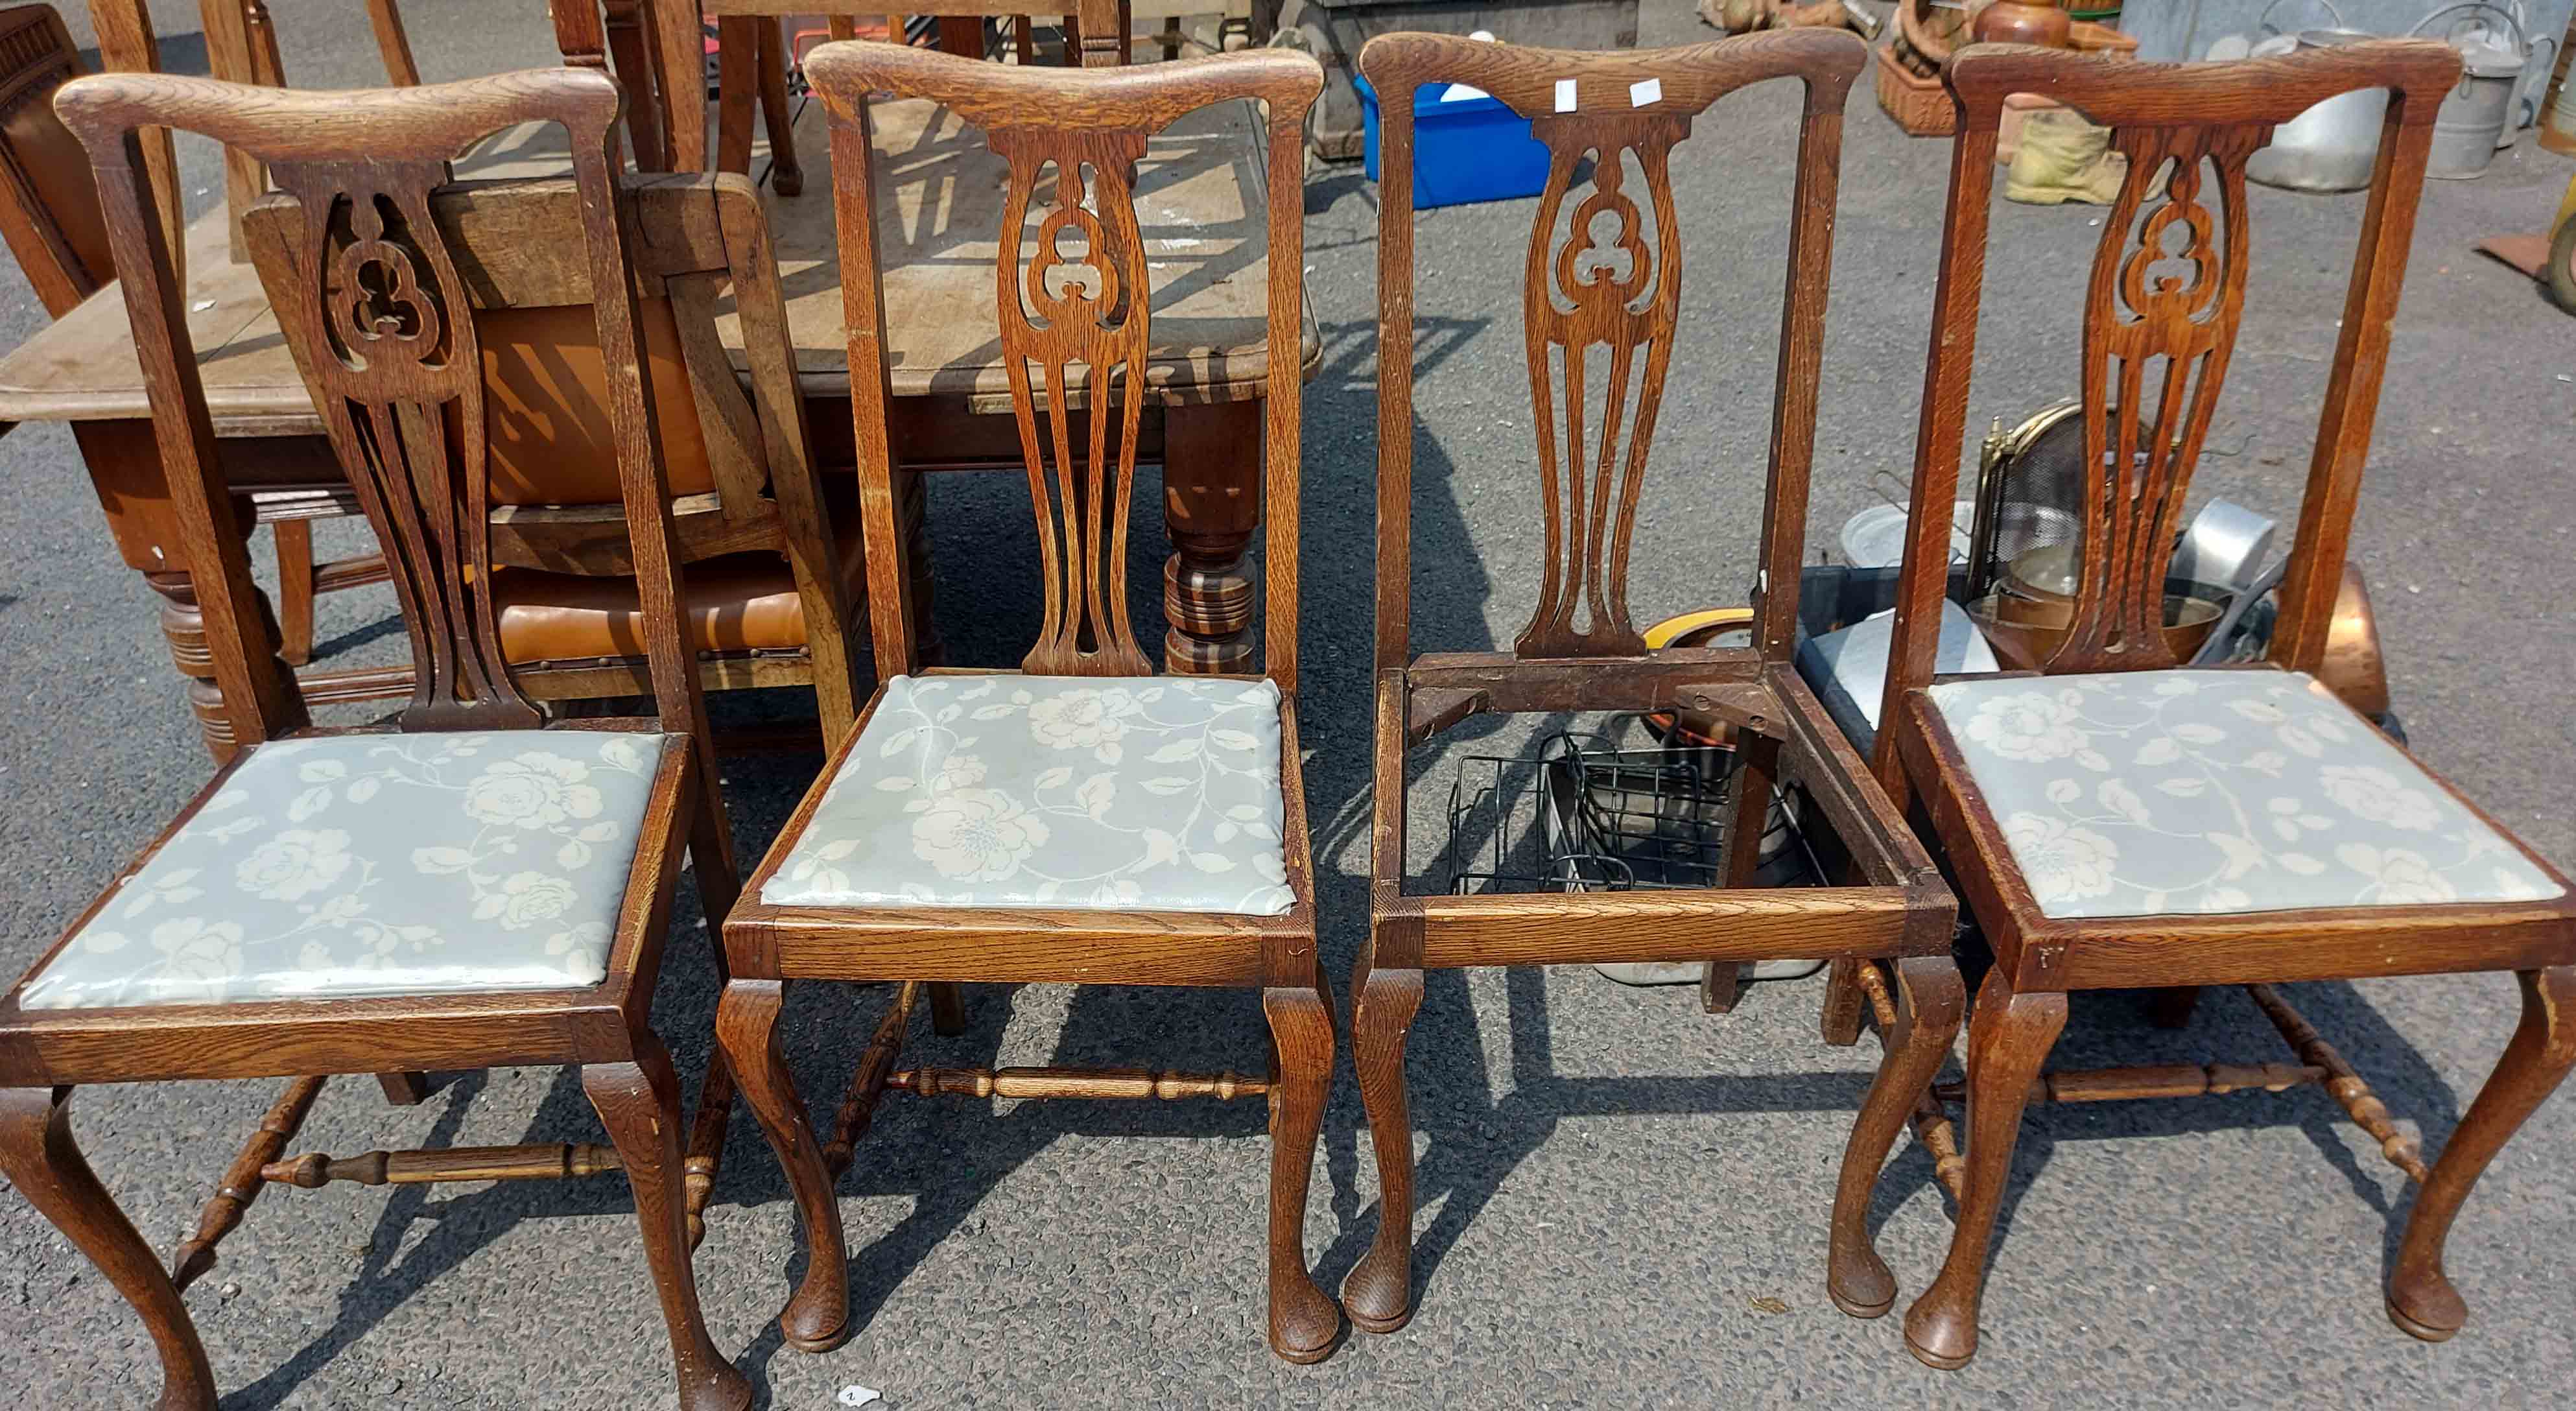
(377, 298)
(2161, 312)
(1072, 299)
(1601, 285)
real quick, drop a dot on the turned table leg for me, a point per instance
(1211, 506)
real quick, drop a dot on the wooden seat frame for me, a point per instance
(1102, 120)
(388, 149)
(2205, 120)
(1896, 910)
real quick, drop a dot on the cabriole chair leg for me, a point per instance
(42, 1161)
(1929, 999)
(1378, 1292)
(817, 1316)
(639, 1102)
(2420, 1297)
(1304, 1324)
(2009, 1036)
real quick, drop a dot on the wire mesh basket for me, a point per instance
(1585, 814)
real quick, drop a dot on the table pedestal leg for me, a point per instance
(184, 628)
(1211, 506)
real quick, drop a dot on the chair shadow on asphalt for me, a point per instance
(1475, 1137)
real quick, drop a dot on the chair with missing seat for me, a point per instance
(1601, 306)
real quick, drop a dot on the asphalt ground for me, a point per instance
(1623, 1199)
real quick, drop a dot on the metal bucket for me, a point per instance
(2478, 114)
(2558, 129)
(2333, 146)
(2539, 57)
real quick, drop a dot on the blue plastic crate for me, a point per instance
(1474, 149)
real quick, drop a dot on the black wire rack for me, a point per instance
(1585, 813)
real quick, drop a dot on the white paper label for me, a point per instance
(1644, 91)
(1565, 95)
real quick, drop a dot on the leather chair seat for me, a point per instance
(546, 424)
(736, 603)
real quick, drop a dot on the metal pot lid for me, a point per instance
(2331, 38)
(2481, 57)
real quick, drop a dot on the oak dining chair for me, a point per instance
(2120, 820)
(49, 215)
(1605, 295)
(469, 888)
(1083, 819)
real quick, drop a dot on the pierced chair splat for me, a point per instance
(2074, 807)
(464, 889)
(1084, 820)
(1603, 293)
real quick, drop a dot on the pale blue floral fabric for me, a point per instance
(1146, 794)
(2146, 792)
(347, 865)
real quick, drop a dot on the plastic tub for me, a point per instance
(1466, 149)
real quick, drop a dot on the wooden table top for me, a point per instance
(1199, 201)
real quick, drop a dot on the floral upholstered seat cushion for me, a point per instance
(1134, 794)
(350, 865)
(2145, 792)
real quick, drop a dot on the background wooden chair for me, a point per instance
(773, 591)
(927, 856)
(1601, 285)
(464, 889)
(2122, 823)
(753, 48)
(49, 215)
(771, 601)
